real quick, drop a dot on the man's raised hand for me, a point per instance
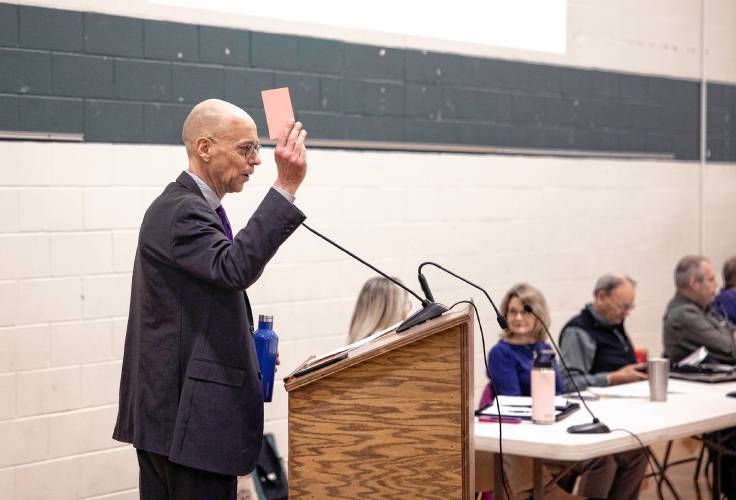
(291, 157)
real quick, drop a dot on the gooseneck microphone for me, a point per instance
(430, 309)
(428, 293)
(596, 426)
(425, 287)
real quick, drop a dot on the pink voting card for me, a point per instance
(277, 104)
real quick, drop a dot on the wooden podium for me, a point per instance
(392, 420)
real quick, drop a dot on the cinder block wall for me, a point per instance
(126, 79)
(72, 212)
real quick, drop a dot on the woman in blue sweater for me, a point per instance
(510, 364)
(510, 360)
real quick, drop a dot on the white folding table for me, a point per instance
(691, 408)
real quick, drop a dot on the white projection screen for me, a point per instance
(538, 25)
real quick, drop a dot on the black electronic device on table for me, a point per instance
(705, 372)
(699, 366)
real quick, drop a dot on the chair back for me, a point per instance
(487, 397)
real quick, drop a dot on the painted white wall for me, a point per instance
(661, 37)
(68, 235)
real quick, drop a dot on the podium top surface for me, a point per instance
(378, 347)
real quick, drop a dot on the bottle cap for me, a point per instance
(544, 358)
(268, 318)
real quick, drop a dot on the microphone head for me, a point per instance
(528, 309)
(425, 287)
(502, 322)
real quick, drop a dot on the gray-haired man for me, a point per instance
(689, 321)
(594, 343)
(598, 352)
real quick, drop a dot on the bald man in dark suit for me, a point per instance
(190, 390)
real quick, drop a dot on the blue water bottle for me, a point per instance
(267, 345)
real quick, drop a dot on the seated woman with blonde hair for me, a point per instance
(380, 304)
(510, 364)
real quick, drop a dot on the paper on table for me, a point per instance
(277, 105)
(508, 411)
(637, 389)
(526, 401)
(694, 358)
(584, 394)
(518, 406)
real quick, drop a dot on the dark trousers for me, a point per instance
(616, 477)
(161, 479)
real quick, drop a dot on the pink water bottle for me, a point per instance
(543, 387)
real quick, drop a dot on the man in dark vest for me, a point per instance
(594, 343)
(598, 352)
(190, 390)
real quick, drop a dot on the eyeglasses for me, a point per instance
(517, 312)
(247, 150)
(627, 307)
(622, 307)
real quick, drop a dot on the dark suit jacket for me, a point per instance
(190, 385)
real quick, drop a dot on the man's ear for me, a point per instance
(694, 282)
(202, 147)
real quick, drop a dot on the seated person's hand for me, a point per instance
(629, 373)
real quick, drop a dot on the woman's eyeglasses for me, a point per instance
(517, 312)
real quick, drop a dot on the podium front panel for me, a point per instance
(397, 425)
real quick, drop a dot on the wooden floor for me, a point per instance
(681, 476)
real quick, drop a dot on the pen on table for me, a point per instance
(504, 420)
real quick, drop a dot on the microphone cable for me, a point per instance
(650, 459)
(531, 311)
(392, 280)
(501, 322)
(495, 392)
(429, 310)
(425, 288)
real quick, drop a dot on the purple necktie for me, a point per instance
(225, 223)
